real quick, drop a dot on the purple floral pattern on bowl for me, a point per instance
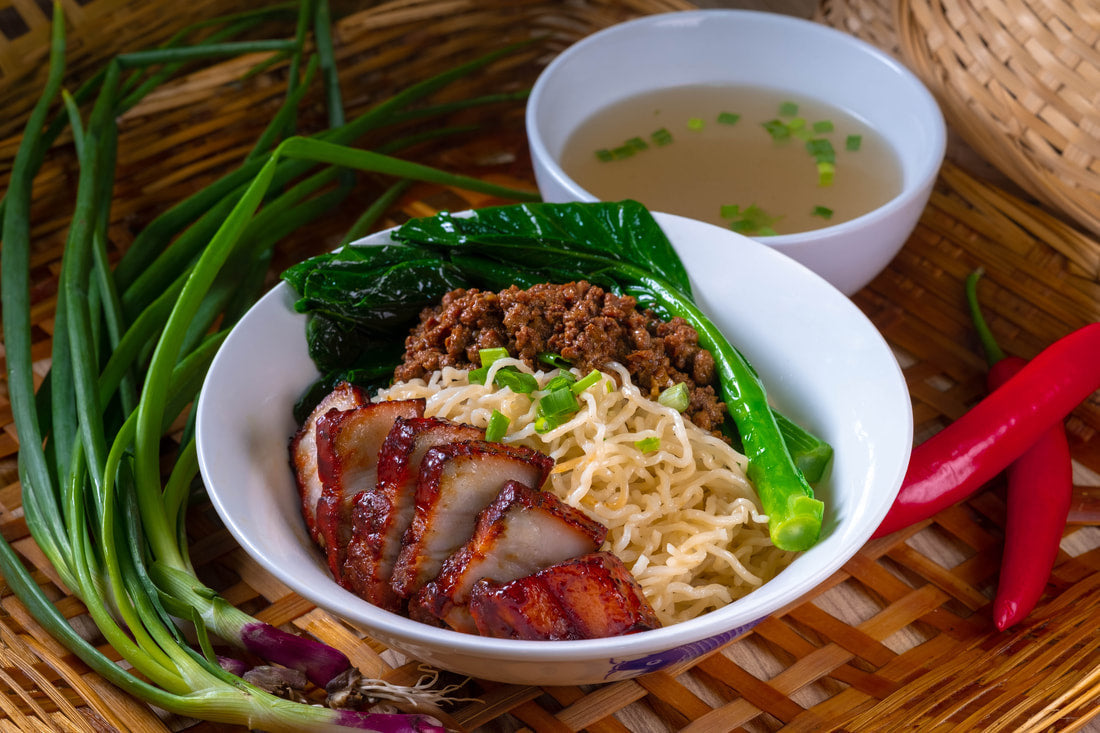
(652, 662)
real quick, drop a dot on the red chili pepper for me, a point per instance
(969, 452)
(1039, 491)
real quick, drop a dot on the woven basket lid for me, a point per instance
(1019, 80)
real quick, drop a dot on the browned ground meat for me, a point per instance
(580, 321)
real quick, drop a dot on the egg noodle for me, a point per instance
(683, 517)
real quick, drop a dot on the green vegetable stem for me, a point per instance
(130, 350)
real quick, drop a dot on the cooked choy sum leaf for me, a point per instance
(619, 232)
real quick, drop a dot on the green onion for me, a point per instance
(605, 155)
(695, 123)
(853, 142)
(823, 211)
(563, 380)
(497, 427)
(677, 397)
(488, 356)
(557, 403)
(546, 423)
(728, 118)
(479, 375)
(637, 143)
(555, 360)
(823, 126)
(821, 149)
(648, 445)
(788, 109)
(586, 381)
(515, 380)
(777, 129)
(623, 151)
(825, 173)
(751, 221)
(661, 137)
(103, 513)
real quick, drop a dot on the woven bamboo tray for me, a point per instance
(900, 638)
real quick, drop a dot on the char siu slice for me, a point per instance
(380, 517)
(303, 449)
(456, 482)
(588, 597)
(521, 532)
(347, 463)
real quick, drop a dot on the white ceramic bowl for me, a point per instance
(805, 59)
(824, 362)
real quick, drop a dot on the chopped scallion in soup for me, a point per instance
(748, 158)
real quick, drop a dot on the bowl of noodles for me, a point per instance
(683, 517)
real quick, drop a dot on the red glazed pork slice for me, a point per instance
(588, 597)
(380, 517)
(347, 462)
(303, 449)
(521, 532)
(456, 482)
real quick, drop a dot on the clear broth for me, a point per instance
(700, 167)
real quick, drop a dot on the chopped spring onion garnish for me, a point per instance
(564, 380)
(488, 356)
(586, 381)
(648, 445)
(823, 211)
(777, 129)
(545, 424)
(823, 126)
(497, 427)
(852, 142)
(637, 143)
(623, 151)
(677, 397)
(825, 172)
(478, 376)
(558, 402)
(695, 123)
(752, 220)
(661, 137)
(822, 150)
(555, 360)
(728, 118)
(515, 380)
(605, 155)
(788, 109)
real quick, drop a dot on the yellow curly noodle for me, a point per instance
(683, 517)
